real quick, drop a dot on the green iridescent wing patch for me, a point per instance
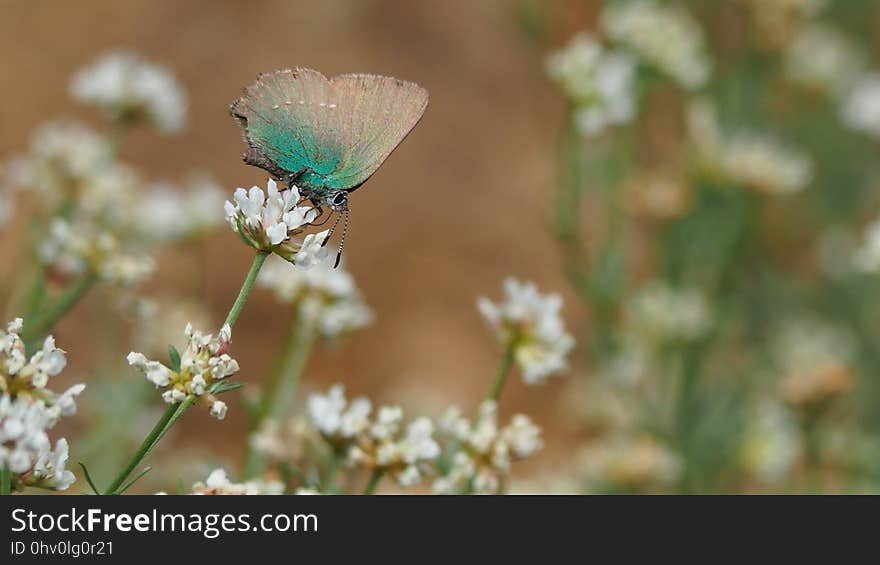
(333, 132)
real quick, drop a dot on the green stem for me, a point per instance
(5, 480)
(43, 323)
(279, 393)
(329, 482)
(147, 445)
(175, 411)
(374, 481)
(238, 305)
(503, 372)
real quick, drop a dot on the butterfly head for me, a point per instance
(337, 200)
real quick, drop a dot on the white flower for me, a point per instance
(824, 59)
(203, 363)
(530, 323)
(28, 410)
(218, 483)
(167, 213)
(486, 452)
(73, 248)
(522, 436)
(334, 417)
(268, 220)
(861, 108)
(665, 37)
(387, 422)
(600, 82)
(662, 313)
(376, 445)
(326, 296)
(128, 88)
(66, 155)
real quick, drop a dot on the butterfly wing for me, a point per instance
(336, 132)
(282, 122)
(374, 115)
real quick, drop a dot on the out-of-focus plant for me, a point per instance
(715, 171)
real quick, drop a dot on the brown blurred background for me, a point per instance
(461, 205)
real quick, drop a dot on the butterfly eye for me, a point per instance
(339, 199)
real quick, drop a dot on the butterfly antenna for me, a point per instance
(332, 229)
(341, 241)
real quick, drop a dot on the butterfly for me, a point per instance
(326, 136)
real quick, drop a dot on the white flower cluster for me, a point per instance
(218, 483)
(599, 81)
(75, 248)
(662, 313)
(664, 37)
(203, 363)
(861, 108)
(64, 158)
(167, 213)
(28, 410)
(824, 59)
(482, 462)
(746, 158)
(268, 220)
(531, 324)
(326, 297)
(381, 444)
(129, 89)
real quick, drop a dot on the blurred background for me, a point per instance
(696, 179)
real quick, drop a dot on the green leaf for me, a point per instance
(89, 479)
(174, 356)
(220, 387)
(134, 480)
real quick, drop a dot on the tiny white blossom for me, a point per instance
(49, 470)
(218, 409)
